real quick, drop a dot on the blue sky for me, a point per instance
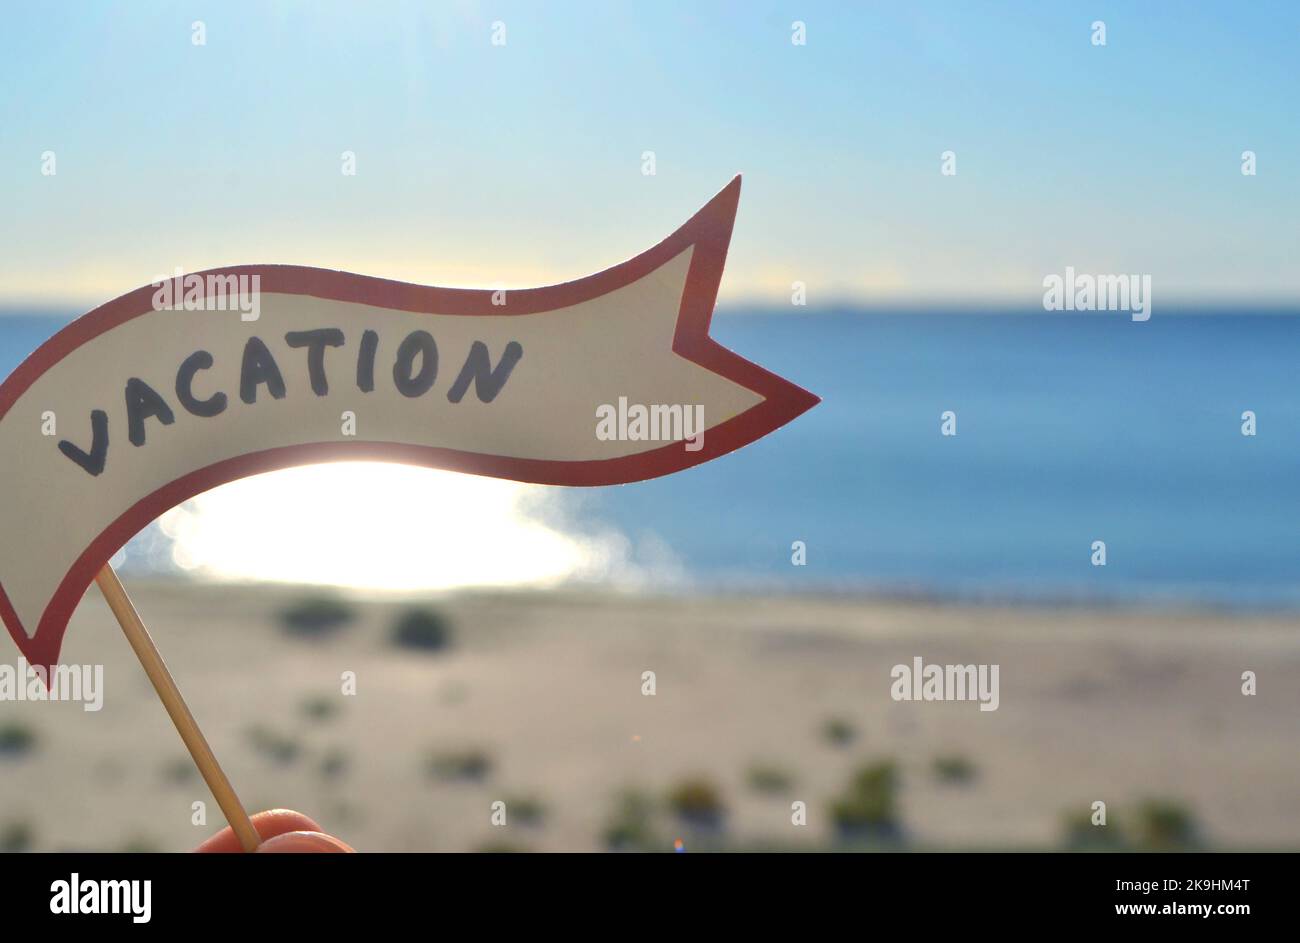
(521, 164)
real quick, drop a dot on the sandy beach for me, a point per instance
(536, 700)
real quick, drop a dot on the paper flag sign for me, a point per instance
(200, 379)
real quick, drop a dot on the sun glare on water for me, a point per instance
(380, 526)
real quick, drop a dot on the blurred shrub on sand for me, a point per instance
(316, 616)
(867, 810)
(423, 630)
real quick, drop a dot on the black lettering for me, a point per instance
(478, 367)
(408, 384)
(142, 402)
(366, 361)
(92, 461)
(316, 341)
(259, 367)
(214, 404)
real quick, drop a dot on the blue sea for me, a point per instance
(1070, 429)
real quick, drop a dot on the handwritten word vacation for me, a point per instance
(414, 372)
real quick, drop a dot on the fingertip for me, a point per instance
(303, 842)
(275, 822)
(268, 824)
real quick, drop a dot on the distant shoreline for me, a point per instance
(848, 593)
(67, 311)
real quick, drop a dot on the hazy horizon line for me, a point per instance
(766, 305)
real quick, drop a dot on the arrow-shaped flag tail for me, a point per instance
(201, 379)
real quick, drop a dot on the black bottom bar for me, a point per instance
(1226, 892)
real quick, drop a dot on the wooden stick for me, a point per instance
(156, 669)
